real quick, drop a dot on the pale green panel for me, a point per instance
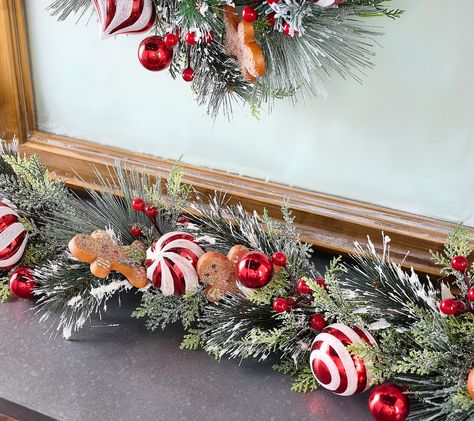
(402, 139)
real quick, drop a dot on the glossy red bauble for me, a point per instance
(154, 54)
(470, 294)
(151, 211)
(292, 304)
(451, 307)
(271, 19)
(459, 263)
(188, 74)
(317, 322)
(280, 305)
(288, 31)
(387, 402)
(255, 270)
(190, 38)
(249, 14)
(138, 204)
(136, 232)
(170, 40)
(303, 288)
(279, 259)
(21, 283)
(321, 282)
(272, 1)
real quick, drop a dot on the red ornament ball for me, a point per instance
(272, 1)
(170, 40)
(154, 54)
(288, 31)
(188, 74)
(271, 19)
(452, 307)
(292, 304)
(21, 283)
(171, 263)
(255, 270)
(280, 305)
(136, 232)
(303, 288)
(334, 367)
(138, 204)
(387, 402)
(13, 237)
(459, 263)
(151, 211)
(470, 294)
(321, 282)
(317, 322)
(249, 14)
(190, 38)
(279, 259)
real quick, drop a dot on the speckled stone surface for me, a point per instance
(114, 369)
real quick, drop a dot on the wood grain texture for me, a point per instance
(329, 223)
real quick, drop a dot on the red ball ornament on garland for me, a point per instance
(317, 322)
(321, 282)
(279, 259)
(334, 367)
(170, 40)
(138, 204)
(255, 270)
(171, 263)
(303, 288)
(188, 74)
(249, 14)
(280, 305)
(136, 232)
(271, 19)
(190, 38)
(21, 283)
(452, 307)
(272, 1)
(289, 31)
(154, 54)
(387, 402)
(470, 294)
(459, 263)
(13, 237)
(151, 211)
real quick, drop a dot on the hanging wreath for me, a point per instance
(252, 51)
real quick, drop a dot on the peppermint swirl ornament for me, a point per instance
(333, 365)
(124, 16)
(13, 237)
(171, 263)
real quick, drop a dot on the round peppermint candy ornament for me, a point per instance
(13, 237)
(171, 263)
(333, 365)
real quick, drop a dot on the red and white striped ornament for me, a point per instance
(333, 365)
(124, 16)
(13, 237)
(327, 3)
(171, 263)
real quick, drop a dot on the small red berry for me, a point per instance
(470, 294)
(303, 288)
(188, 74)
(317, 322)
(249, 14)
(272, 1)
(459, 263)
(271, 19)
(135, 231)
(151, 211)
(279, 259)
(321, 282)
(190, 38)
(280, 305)
(451, 306)
(291, 303)
(170, 40)
(138, 204)
(208, 37)
(288, 31)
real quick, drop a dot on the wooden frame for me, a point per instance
(329, 223)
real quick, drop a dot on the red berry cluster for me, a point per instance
(455, 307)
(151, 211)
(280, 305)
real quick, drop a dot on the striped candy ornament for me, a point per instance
(124, 16)
(171, 263)
(13, 237)
(333, 365)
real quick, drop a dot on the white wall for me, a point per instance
(404, 139)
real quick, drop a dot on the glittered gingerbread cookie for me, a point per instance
(240, 44)
(105, 255)
(217, 271)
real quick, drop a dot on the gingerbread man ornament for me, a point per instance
(240, 44)
(105, 255)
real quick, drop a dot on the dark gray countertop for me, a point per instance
(114, 369)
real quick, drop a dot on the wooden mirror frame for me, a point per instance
(329, 223)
